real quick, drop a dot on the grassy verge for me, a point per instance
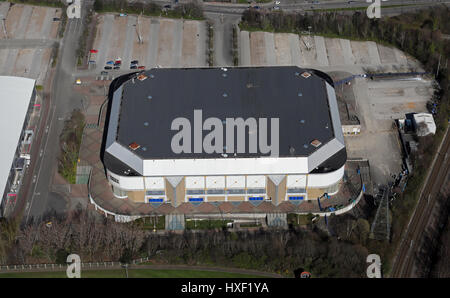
(210, 44)
(189, 11)
(132, 273)
(206, 224)
(257, 1)
(359, 8)
(235, 49)
(62, 25)
(55, 52)
(82, 42)
(70, 141)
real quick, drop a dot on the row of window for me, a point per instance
(221, 191)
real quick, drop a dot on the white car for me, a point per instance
(277, 2)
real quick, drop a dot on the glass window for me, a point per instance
(236, 191)
(195, 191)
(296, 190)
(155, 192)
(256, 190)
(215, 191)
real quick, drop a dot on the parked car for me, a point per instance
(276, 8)
(108, 67)
(110, 62)
(277, 2)
(116, 67)
(141, 67)
(133, 66)
(56, 19)
(104, 73)
(134, 62)
(167, 6)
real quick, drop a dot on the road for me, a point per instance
(410, 244)
(39, 197)
(302, 6)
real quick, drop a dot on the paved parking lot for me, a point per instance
(165, 42)
(26, 50)
(263, 48)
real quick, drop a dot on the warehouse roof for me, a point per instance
(144, 105)
(148, 107)
(15, 95)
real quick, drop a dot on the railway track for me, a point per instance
(404, 264)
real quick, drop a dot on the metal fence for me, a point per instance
(28, 267)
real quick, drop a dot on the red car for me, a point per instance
(93, 51)
(141, 67)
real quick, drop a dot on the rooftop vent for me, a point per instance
(291, 150)
(306, 75)
(316, 143)
(134, 146)
(142, 77)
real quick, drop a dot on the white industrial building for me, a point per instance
(17, 97)
(137, 142)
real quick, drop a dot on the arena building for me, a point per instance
(175, 135)
(17, 97)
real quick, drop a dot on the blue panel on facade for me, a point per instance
(155, 200)
(256, 198)
(195, 199)
(299, 198)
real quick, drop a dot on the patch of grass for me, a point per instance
(39, 87)
(299, 220)
(132, 273)
(70, 141)
(151, 222)
(55, 52)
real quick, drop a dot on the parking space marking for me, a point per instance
(152, 54)
(245, 57)
(130, 38)
(177, 42)
(296, 55)
(165, 42)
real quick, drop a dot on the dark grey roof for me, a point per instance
(148, 107)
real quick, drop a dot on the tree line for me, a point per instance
(190, 10)
(96, 238)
